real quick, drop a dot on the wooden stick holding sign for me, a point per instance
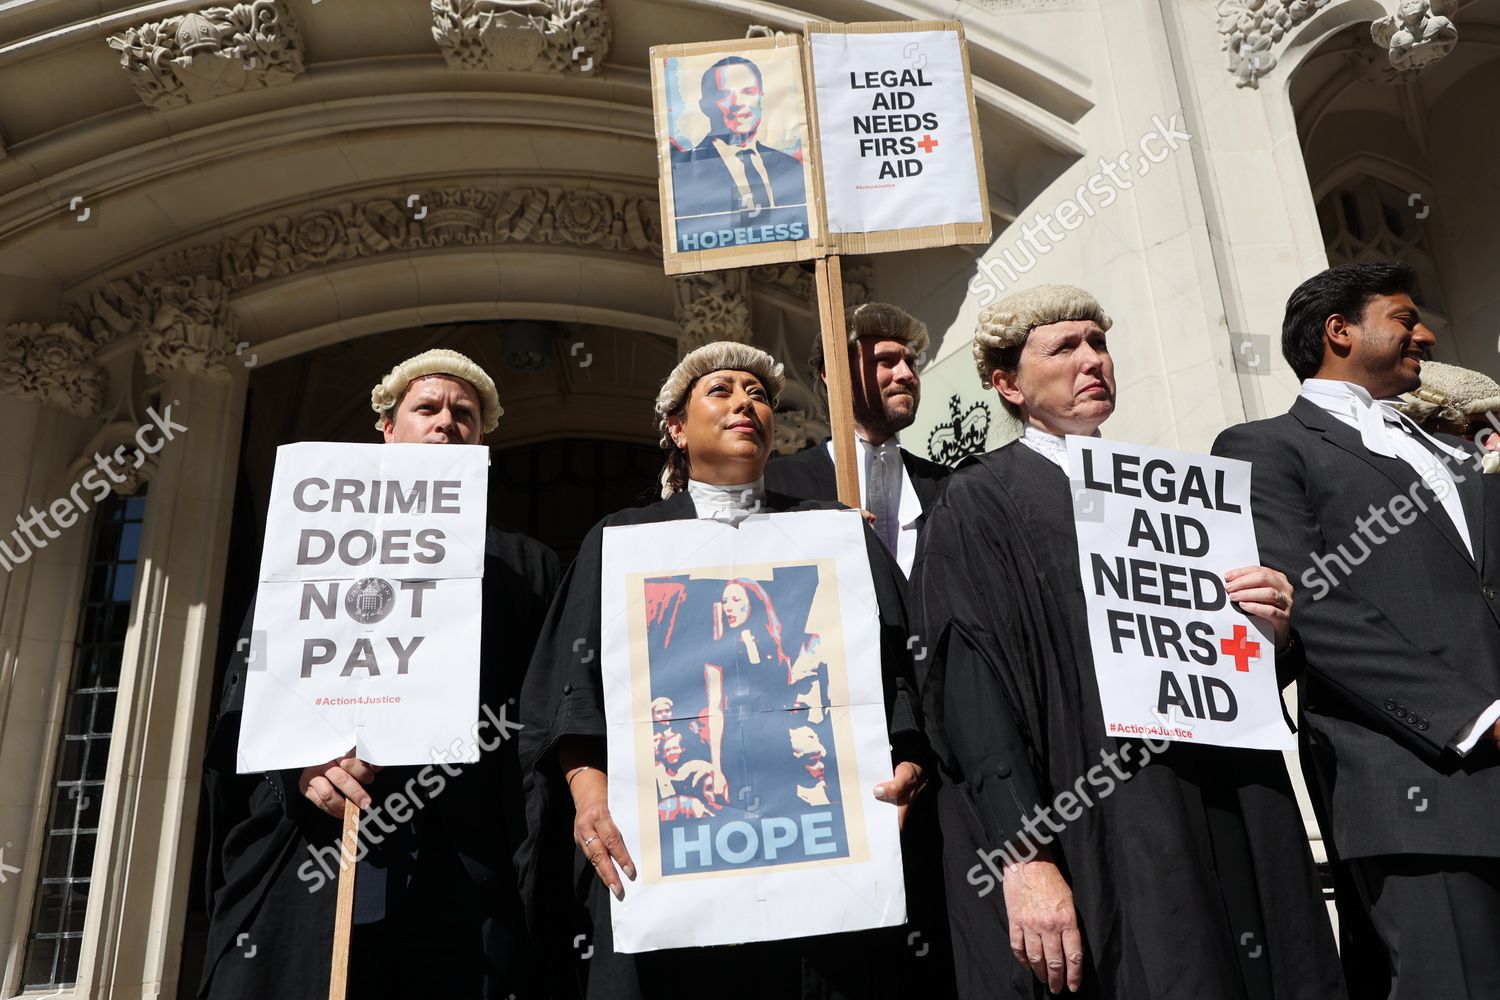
(830, 281)
(860, 138)
(343, 917)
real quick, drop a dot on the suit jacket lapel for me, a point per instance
(1470, 481)
(1401, 475)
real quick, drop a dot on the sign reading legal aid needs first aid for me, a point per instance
(1175, 660)
(895, 130)
(366, 631)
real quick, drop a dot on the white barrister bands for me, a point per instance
(366, 630)
(1157, 530)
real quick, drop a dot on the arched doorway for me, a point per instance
(1398, 171)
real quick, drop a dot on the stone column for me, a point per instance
(50, 386)
(147, 825)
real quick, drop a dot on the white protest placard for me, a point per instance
(896, 131)
(861, 139)
(1157, 530)
(746, 730)
(366, 630)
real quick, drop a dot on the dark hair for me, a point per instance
(710, 84)
(1008, 360)
(1344, 290)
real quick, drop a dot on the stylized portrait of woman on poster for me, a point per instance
(754, 690)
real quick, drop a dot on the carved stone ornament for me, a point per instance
(133, 476)
(118, 457)
(54, 364)
(1251, 32)
(800, 420)
(179, 306)
(859, 283)
(712, 306)
(1373, 65)
(184, 323)
(1417, 35)
(569, 36)
(791, 279)
(205, 54)
(468, 216)
(796, 430)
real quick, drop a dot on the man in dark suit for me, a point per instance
(731, 180)
(1390, 535)
(894, 485)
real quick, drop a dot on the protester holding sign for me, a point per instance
(715, 418)
(896, 486)
(1393, 534)
(1192, 878)
(436, 910)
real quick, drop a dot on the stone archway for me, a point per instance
(1381, 122)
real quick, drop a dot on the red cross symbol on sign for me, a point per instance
(1241, 649)
(928, 143)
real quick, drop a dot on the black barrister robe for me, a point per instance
(436, 908)
(1192, 879)
(568, 905)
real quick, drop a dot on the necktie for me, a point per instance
(882, 476)
(752, 178)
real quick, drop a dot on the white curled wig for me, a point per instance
(1451, 394)
(721, 355)
(1006, 324)
(438, 361)
(874, 319)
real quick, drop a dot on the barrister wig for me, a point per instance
(1005, 325)
(1451, 394)
(438, 361)
(721, 355)
(875, 319)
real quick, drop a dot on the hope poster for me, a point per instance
(366, 628)
(1157, 530)
(747, 730)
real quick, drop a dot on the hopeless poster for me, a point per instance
(366, 629)
(747, 730)
(732, 129)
